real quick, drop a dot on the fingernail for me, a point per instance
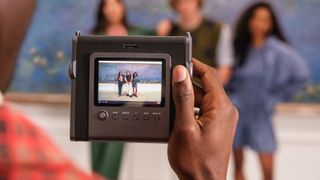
(179, 74)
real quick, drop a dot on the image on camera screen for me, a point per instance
(122, 82)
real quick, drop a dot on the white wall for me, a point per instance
(298, 156)
(54, 119)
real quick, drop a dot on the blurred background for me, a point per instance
(40, 86)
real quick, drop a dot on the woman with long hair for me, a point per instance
(135, 81)
(120, 83)
(111, 20)
(268, 70)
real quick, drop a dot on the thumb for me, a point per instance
(183, 96)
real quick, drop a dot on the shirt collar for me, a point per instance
(270, 42)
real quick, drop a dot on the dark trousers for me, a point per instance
(120, 84)
(106, 158)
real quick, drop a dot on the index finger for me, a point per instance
(208, 76)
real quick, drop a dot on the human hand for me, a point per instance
(199, 148)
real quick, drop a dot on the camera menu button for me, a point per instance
(156, 117)
(115, 116)
(125, 117)
(103, 115)
(135, 116)
(146, 116)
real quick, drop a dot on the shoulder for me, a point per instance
(135, 30)
(222, 28)
(98, 33)
(279, 47)
(210, 23)
(284, 53)
(226, 29)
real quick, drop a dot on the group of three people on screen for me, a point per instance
(130, 81)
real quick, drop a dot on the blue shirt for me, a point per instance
(270, 74)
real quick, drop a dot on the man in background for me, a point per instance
(211, 41)
(128, 80)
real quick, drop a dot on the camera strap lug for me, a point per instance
(189, 64)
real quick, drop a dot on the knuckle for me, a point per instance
(187, 132)
(228, 111)
(183, 94)
(234, 114)
(213, 71)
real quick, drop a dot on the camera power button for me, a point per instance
(103, 115)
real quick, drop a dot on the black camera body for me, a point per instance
(121, 86)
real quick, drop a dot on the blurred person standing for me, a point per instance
(111, 20)
(212, 41)
(128, 80)
(135, 80)
(120, 83)
(268, 71)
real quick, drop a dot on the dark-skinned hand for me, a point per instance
(199, 147)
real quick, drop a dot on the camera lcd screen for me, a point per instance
(130, 82)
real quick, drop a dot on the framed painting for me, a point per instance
(41, 71)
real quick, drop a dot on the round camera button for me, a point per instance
(103, 115)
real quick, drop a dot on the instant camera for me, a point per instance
(121, 86)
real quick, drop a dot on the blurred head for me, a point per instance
(135, 74)
(258, 21)
(186, 7)
(119, 74)
(128, 72)
(110, 12)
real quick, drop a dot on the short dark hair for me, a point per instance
(173, 3)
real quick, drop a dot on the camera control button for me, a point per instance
(156, 117)
(125, 117)
(135, 117)
(103, 115)
(115, 117)
(146, 117)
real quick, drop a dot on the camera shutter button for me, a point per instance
(103, 115)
